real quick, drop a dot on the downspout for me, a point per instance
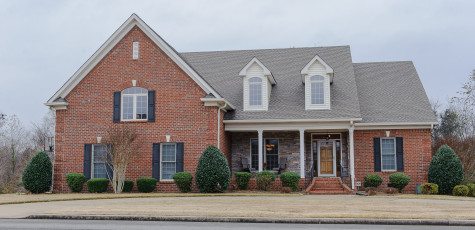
(219, 124)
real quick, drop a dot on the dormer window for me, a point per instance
(317, 77)
(255, 92)
(257, 86)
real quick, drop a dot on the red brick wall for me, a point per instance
(179, 110)
(417, 154)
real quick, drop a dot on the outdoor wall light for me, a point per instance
(167, 137)
(99, 139)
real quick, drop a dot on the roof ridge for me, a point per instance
(382, 62)
(263, 49)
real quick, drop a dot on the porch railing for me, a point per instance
(309, 175)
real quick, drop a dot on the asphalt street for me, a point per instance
(136, 225)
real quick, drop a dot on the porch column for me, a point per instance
(352, 156)
(260, 152)
(302, 153)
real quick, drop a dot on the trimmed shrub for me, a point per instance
(399, 180)
(265, 179)
(460, 190)
(291, 180)
(37, 175)
(128, 186)
(242, 179)
(146, 184)
(75, 181)
(471, 187)
(430, 189)
(445, 169)
(372, 180)
(183, 181)
(97, 185)
(212, 174)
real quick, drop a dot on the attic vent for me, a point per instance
(135, 50)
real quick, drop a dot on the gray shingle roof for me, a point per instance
(391, 92)
(376, 92)
(221, 70)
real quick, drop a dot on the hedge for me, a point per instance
(399, 180)
(372, 180)
(146, 184)
(75, 181)
(445, 169)
(97, 185)
(430, 189)
(242, 179)
(37, 177)
(460, 190)
(212, 174)
(265, 179)
(291, 180)
(128, 186)
(183, 181)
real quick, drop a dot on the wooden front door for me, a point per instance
(326, 158)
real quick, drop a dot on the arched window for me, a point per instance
(317, 90)
(255, 91)
(134, 103)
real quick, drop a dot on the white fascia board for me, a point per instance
(394, 125)
(307, 126)
(218, 102)
(289, 121)
(267, 72)
(132, 21)
(57, 105)
(328, 68)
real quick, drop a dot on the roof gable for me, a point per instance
(58, 98)
(266, 71)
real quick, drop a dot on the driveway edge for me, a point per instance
(266, 220)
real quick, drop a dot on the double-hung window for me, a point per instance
(388, 154)
(99, 161)
(168, 161)
(134, 104)
(255, 92)
(317, 90)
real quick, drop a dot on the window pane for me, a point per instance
(272, 153)
(99, 161)
(141, 107)
(127, 107)
(317, 92)
(168, 152)
(168, 170)
(254, 153)
(255, 91)
(388, 154)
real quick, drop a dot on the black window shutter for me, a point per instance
(156, 161)
(109, 166)
(400, 154)
(179, 157)
(87, 161)
(116, 116)
(151, 106)
(377, 154)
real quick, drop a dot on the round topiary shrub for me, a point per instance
(128, 186)
(97, 185)
(460, 190)
(264, 180)
(183, 181)
(372, 180)
(75, 181)
(430, 189)
(471, 187)
(291, 180)
(37, 175)
(146, 184)
(242, 179)
(445, 169)
(399, 180)
(212, 174)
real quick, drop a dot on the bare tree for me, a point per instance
(43, 130)
(122, 142)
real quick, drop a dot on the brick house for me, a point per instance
(308, 110)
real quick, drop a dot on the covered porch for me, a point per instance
(313, 152)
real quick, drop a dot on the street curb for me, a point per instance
(266, 220)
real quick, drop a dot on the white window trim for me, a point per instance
(134, 106)
(161, 160)
(326, 93)
(381, 153)
(264, 94)
(92, 161)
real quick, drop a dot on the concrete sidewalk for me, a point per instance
(264, 207)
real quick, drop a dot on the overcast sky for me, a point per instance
(42, 43)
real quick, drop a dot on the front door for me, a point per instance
(326, 158)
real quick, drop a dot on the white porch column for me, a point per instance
(261, 148)
(302, 153)
(352, 156)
